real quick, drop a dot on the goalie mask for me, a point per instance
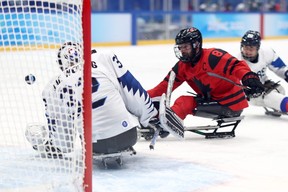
(188, 46)
(250, 44)
(69, 57)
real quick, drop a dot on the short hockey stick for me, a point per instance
(169, 88)
(228, 80)
(167, 104)
(153, 141)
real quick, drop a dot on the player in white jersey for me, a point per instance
(260, 59)
(117, 97)
(119, 103)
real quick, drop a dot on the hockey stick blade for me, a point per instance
(153, 140)
(228, 80)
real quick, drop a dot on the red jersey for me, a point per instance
(216, 61)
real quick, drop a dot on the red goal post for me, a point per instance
(86, 21)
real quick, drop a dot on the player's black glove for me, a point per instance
(255, 87)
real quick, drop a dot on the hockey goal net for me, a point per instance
(31, 33)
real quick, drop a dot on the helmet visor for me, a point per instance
(249, 52)
(183, 52)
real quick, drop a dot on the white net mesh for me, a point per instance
(41, 135)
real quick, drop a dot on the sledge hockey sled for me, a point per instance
(106, 159)
(224, 117)
(213, 131)
(209, 131)
(273, 112)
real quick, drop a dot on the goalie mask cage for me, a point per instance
(31, 33)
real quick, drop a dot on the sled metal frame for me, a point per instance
(273, 112)
(212, 131)
(118, 156)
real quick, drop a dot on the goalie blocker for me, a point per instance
(169, 120)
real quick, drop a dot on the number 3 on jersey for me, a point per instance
(115, 59)
(95, 87)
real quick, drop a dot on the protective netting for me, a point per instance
(38, 101)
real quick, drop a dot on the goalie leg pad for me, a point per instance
(37, 135)
(169, 120)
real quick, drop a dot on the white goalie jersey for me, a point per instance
(62, 97)
(119, 102)
(267, 59)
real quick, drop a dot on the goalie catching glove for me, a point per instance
(255, 87)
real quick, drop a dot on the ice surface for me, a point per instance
(255, 160)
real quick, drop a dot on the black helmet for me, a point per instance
(194, 37)
(250, 38)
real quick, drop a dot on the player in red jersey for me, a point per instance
(195, 66)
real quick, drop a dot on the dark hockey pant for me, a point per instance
(117, 143)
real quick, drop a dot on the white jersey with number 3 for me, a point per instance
(119, 102)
